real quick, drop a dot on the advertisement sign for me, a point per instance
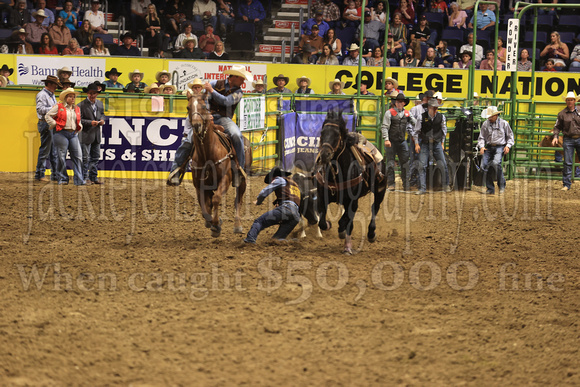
(184, 72)
(31, 70)
(513, 33)
(252, 113)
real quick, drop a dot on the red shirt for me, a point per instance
(46, 51)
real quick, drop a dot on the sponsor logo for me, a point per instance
(269, 48)
(285, 24)
(22, 69)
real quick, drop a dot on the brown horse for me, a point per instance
(211, 165)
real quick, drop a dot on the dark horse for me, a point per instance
(211, 165)
(343, 179)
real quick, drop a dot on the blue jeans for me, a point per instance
(199, 19)
(413, 164)
(45, 152)
(235, 134)
(492, 157)
(91, 156)
(569, 144)
(64, 140)
(438, 154)
(183, 151)
(575, 64)
(286, 215)
(401, 149)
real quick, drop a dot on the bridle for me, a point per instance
(333, 149)
(200, 136)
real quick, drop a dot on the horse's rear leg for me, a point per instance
(238, 229)
(346, 221)
(216, 228)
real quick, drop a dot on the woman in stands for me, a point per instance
(84, 36)
(327, 56)
(69, 15)
(377, 58)
(207, 42)
(60, 33)
(407, 12)
(501, 50)
(99, 48)
(334, 42)
(155, 37)
(174, 15)
(378, 13)
(443, 52)
(219, 53)
(47, 46)
(399, 30)
(409, 60)
(73, 48)
(457, 17)
(524, 64)
(556, 50)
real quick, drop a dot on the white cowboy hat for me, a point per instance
(169, 86)
(433, 103)
(240, 71)
(66, 92)
(258, 82)
(489, 112)
(570, 94)
(65, 69)
(475, 95)
(353, 47)
(159, 73)
(151, 87)
(38, 13)
(136, 71)
(3, 81)
(438, 95)
(393, 81)
(331, 83)
(303, 78)
(196, 81)
(189, 39)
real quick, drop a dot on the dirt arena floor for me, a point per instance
(121, 284)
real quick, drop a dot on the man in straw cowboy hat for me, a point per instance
(396, 123)
(35, 30)
(280, 81)
(495, 140)
(153, 89)
(224, 96)
(162, 77)
(49, 15)
(431, 130)
(136, 85)
(92, 119)
(7, 72)
(184, 151)
(391, 85)
(65, 117)
(336, 87)
(113, 79)
(304, 85)
(45, 100)
(568, 123)
(352, 58)
(190, 49)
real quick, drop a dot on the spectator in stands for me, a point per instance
(85, 36)
(420, 34)
(99, 48)
(64, 75)
(259, 87)
(574, 58)
(136, 85)
(501, 50)
(155, 39)
(457, 16)
(524, 64)
(18, 41)
(96, 18)
(364, 85)
(377, 58)
(69, 15)
(336, 87)
(549, 65)
(467, 5)
(327, 57)
(219, 53)
(313, 40)
(330, 12)
(153, 89)
(352, 58)
(34, 31)
(187, 33)
(138, 13)
(306, 55)
(6, 72)
(304, 85)
(464, 61)
(323, 26)
(351, 15)
(378, 13)
(19, 16)
(399, 31)
(372, 31)
(174, 14)
(409, 60)
(280, 81)
(334, 42)
(556, 50)
(49, 15)
(431, 59)
(207, 42)
(407, 12)
(47, 46)
(469, 47)
(60, 33)
(444, 54)
(394, 51)
(490, 63)
(168, 88)
(205, 11)
(253, 12)
(112, 79)
(438, 6)
(73, 48)
(225, 15)
(127, 49)
(485, 18)
(191, 51)
(162, 77)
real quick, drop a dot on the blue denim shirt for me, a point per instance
(44, 101)
(499, 133)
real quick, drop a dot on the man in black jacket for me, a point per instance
(92, 118)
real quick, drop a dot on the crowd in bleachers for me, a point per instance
(435, 33)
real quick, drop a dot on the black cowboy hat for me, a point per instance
(401, 97)
(281, 76)
(112, 71)
(127, 35)
(101, 85)
(5, 68)
(275, 172)
(67, 84)
(91, 87)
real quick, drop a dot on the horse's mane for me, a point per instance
(335, 117)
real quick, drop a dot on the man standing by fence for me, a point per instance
(45, 99)
(568, 123)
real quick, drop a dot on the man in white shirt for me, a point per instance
(469, 47)
(206, 11)
(96, 18)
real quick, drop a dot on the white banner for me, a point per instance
(32, 70)
(513, 33)
(183, 72)
(252, 112)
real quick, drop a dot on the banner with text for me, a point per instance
(31, 70)
(252, 113)
(184, 72)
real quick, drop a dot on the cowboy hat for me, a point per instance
(466, 53)
(303, 78)
(419, 97)
(258, 82)
(188, 39)
(475, 95)
(353, 47)
(490, 112)
(136, 71)
(66, 92)
(3, 81)
(169, 86)
(113, 71)
(53, 79)
(428, 94)
(65, 69)
(438, 95)
(240, 71)
(275, 172)
(151, 87)
(433, 103)
(393, 81)
(66, 84)
(127, 35)
(196, 81)
(281, 76)
(570, 94)
(401, 97)
(101, 85)
(160, 73)
(39, 13)
(331, 83)
(6, 68)
(91, 87)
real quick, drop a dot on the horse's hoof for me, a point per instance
(207, 224)
(342, 234)
(347, 251)
(373, 239)
(328, 224)
(216, 231)
(238, 230)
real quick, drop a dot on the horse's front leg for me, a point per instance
(204, 204)
(323, 224)
(238, 229)
(222, 188)
(379, 196)
(346, 221)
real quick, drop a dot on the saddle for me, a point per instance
(364, 151)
